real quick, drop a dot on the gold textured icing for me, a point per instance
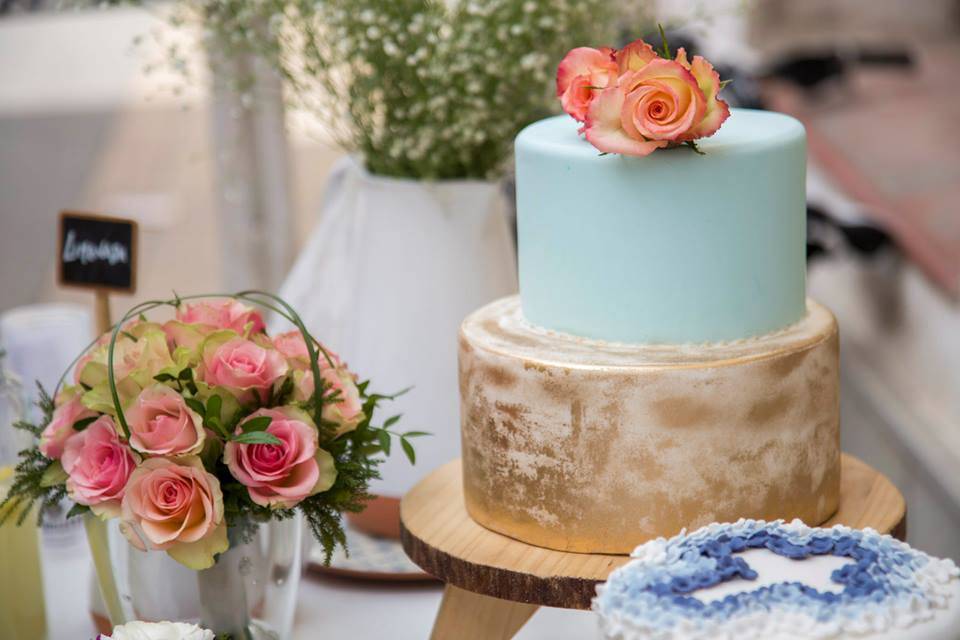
(587, 446)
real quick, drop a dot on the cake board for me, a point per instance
(494, 584)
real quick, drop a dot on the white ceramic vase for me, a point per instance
(387, 275)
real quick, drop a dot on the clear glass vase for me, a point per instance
(249, 594)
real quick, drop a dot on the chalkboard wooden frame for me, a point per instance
(103, 287)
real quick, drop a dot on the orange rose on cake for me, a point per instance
(581, 72)
(654, 102)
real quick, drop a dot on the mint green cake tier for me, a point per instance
(671, 248)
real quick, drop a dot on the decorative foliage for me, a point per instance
(210, 423)
(420, 88)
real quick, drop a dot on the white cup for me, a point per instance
(40, 341)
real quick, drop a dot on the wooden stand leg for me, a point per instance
(465, 615)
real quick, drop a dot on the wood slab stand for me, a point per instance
(494, 584)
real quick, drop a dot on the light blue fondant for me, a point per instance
(674, 247)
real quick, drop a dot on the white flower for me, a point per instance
(159, 631)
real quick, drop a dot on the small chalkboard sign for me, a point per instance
(97, 252)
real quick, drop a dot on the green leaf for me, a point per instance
(214, 404)
(408, 449)
(77, 510)
(163, 377)
(256, 437)
(393, 396)
(260, 423)
(392, 420)
(693, 145)
(83, 423)
(416, 434)
(196, 405)
(384, 438)
(53, 475)
(286, 388)
(663, 37)
(186, 374)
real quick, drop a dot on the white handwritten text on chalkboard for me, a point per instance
(86, 252)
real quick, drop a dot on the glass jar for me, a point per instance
(22, 611)
(250, 593)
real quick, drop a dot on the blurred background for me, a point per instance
(254, 153)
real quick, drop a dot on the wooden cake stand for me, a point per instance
(495, 583)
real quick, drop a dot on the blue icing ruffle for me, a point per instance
(662, 594)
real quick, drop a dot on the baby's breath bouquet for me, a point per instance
(419, 88)
(439, 90)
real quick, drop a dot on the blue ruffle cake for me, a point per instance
(872, 586)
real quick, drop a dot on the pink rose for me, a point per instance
(281, 475)
(342, 405)
(176, 506)
(69, 410)
(294, 349)
(241, 366)
(580, 76)
(226, 314)
(161, 424)
(98, 465)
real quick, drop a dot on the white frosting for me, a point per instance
(774, 568)
(920, 599)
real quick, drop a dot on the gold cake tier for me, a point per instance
(582, 445)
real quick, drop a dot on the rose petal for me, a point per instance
(604, 129)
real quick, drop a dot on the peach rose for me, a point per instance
(162, 424)
(98, 465)
(176, 506)
(282, 475)
(634, 56)
(241, 366)
(342, 405)
(69, 410)
(226, 314)
(708, 80)
(581, 74)
(655, 103)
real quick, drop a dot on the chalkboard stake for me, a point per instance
(101, 310)
(98, 253)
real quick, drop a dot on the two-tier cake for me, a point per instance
(662, 367)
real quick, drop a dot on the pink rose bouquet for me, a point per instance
(633, 101)
(204, 424)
